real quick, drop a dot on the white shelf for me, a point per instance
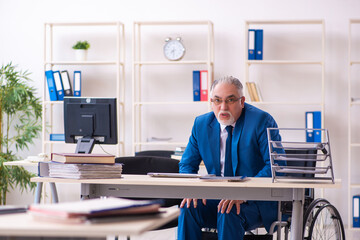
(276, 22)
(74, 24)
(119, 76)
(264, 24)
(160, 143)
(172, 63)
(84, 63)
(169, 103)
(351, 104)
(139, 39)
(320, 62)
(284, 103)
(249, 62)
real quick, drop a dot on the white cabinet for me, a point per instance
(163, 105)
(353, 115)
(102, 73)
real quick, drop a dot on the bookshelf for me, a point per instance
(174, 97)
(281, 53)
(353, 113)
(105, 68)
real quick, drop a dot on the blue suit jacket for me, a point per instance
(250, 152)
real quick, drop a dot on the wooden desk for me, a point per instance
(253, 189)
(22, 224)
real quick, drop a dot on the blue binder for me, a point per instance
(313, 120)
(77, 83)
(251, 44)
(259, 44)
(58, 85)
(57, 137)
(196, 85)
(51, 85)
(356, 211)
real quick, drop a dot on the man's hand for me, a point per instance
(188, 202)
(225, 203)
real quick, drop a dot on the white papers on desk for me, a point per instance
(79, 171)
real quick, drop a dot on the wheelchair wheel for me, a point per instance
(326, 224)
(310, 213)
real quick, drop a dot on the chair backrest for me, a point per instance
(303, 154)
(144, 164)
(157, 153)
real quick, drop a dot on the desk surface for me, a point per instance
(145, 180)
(23, 163)
(22, 224)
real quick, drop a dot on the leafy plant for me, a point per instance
(20, 115)
(81, 45)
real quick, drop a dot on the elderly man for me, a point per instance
(232, 141)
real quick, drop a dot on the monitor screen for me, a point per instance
(90, 121)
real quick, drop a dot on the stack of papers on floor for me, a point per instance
(93, 210)
(79, 171)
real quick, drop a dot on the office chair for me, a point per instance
(156, 153)
(143, 164)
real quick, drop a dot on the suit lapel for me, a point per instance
(236, 140)
(214, 144)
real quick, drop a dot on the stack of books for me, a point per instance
(80, 166)
(93, 210)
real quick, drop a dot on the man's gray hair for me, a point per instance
(230, 80)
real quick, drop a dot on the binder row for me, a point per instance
(255, 44)
(59, 84)
(200, 85)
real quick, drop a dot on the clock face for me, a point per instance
(174, 50)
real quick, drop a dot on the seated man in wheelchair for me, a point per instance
(232, 141)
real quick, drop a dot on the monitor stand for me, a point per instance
(85, 145)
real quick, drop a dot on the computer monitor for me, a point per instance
(88, 121)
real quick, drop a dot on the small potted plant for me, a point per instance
(81, 48)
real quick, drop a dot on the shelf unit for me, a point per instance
(117, 36)
(352, 106)
(318, 26)
(320, 62)
(139, 62)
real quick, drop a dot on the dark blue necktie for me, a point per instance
(228, 171)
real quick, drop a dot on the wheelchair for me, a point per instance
(321, 220)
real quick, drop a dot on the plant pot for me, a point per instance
(81, 54)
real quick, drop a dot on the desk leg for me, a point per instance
(85, 191)
(297, 214)
(38, 192)
(54, 194)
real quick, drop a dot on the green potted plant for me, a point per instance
(81, 48)
(20, 123)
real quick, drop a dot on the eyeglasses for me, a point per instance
(229, 101)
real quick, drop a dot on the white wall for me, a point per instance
(21, 41)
